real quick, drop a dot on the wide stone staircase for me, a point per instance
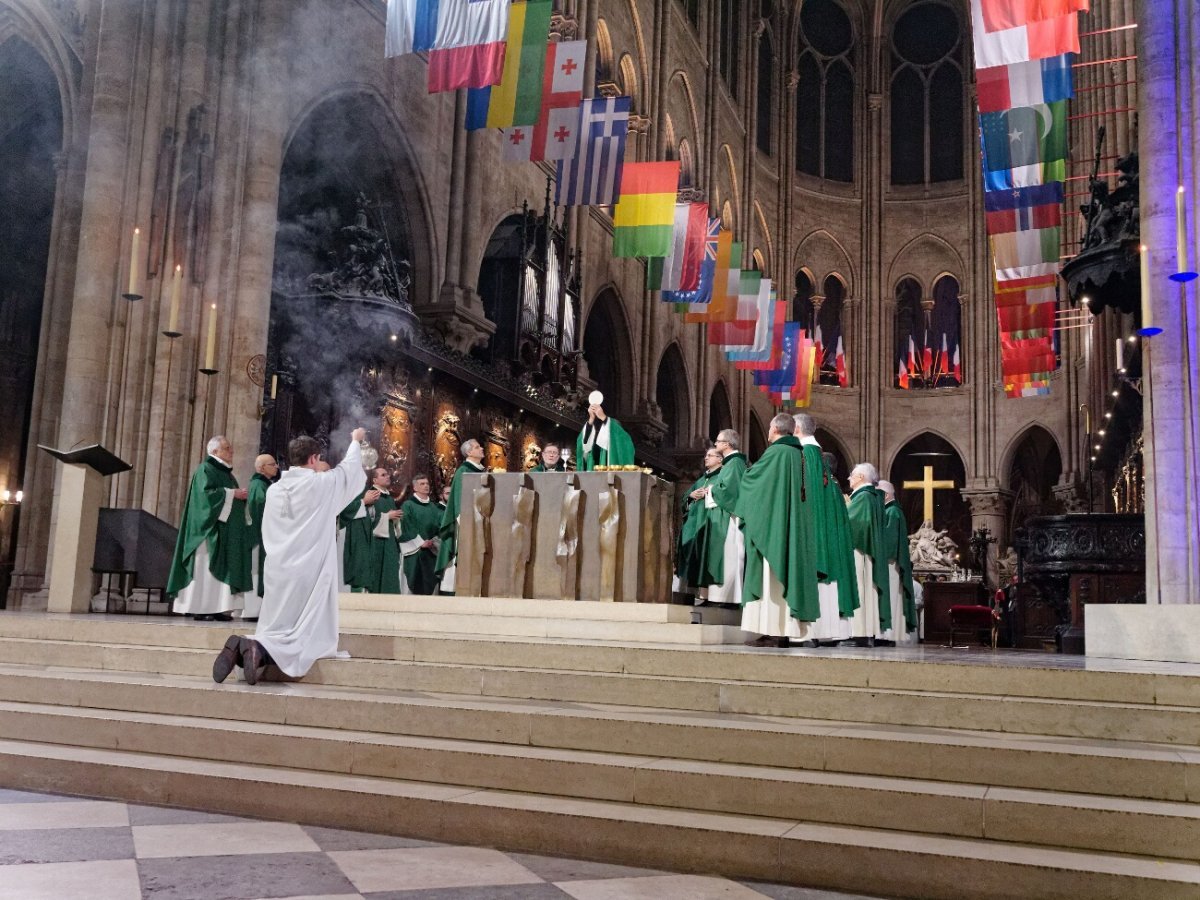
(835, 769)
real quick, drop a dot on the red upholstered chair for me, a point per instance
(967, 617)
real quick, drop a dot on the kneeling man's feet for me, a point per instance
(252, 659)
(768, 641)
(229, 658)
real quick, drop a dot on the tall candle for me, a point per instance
(133, 261)
(176, 286)
(211, 353)
(1120, 354)
(1148, 328)
(1183, 267)
(274, 385)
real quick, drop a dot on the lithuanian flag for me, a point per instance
(644, 219)
(517, 99)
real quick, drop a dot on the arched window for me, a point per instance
(687, 165)
(629, 81)
(825, 92)
(928, 334)
(605, 69)
(731, 40)
(802, 305)
(765, 106)
(671, 395)
(692, 8)
(829, 329)
(926, 96)
(720, 416)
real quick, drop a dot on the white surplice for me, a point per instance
(205, 594)
(299, 621)
(866, 618)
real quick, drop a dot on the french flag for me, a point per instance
(465, 39)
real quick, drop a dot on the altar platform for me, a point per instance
(899, 772)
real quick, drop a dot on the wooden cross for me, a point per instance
(928, 486)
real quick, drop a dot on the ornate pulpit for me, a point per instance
(602, 536)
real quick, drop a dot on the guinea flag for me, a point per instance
(644, 218)
(517, 99)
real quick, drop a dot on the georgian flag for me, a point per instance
(556, 134)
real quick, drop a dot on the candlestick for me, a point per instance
(210, 352)
(1148, 328)
(132, 293)
(274, 385)
(1183, 269)
(176, 287)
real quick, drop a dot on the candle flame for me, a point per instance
(139, 231)
(214, 306)
(178, 269)
(1143, 248)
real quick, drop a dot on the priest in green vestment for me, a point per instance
(725, 558)
(837, 588)
(551, 459)
(603, 442)
(779, 523)
(868, 533)
(357, 521)
(900, 580)
(447, 560)
(419, 537)
(265, 470)
(210, 571)
(384, 565)
(691, 546)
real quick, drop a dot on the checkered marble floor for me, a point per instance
(62, 848)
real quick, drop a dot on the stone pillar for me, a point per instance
(989, 509)
(1169, 146)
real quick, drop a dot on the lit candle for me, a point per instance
(1183, 268)
(1148, 328)
(133, 261)
(176, 281)
(274, 385)
(211, 353)
(1120, 354)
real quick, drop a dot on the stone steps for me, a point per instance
(942, 708)
(900, 863)
(1045, 818)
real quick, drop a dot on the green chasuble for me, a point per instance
(869, 535)
(356, 555)
(725, 488)
(835, 552)
(690, 547)
(420, 523)
(619, 452)
(897, 527)
(383, 571)
(448, 530)
(227, 542)
(255, 503)
(560, 466)
(779, 523)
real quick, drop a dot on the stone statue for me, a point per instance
(364, 265)
(932, 550)
(1006, 566)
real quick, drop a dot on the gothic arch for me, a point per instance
(765, 232)
(681, 92)
(627, 73)
(720, 412)
(756, 439)
(823, 255)
(366, 109)
(35, 25)
(950, 510)
(606, 347)
(674, 397)
(735, 190)
(1008, 456)
(605, 70)
(900, 445)
(1032, 465)
(925, 256)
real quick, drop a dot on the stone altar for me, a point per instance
(602, 536)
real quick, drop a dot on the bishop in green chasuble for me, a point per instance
(691, 548)
(778, 511)
(867, 531)
(356, 522)
(900, 580)
(447, 559)
(419, 538)
(210, 570)
(603, 442)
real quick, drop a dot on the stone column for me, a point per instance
(872, 352)
(1169, 143)
(989, 509)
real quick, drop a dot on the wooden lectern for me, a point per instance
(80, 495)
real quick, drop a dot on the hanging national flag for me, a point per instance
(556, 132)
(729, 259)
(912, 355)
(1024, 209)
(1025, 83)
(843, 370)
(592, 177)
(679, 270)
(1036, 40)
(1024, 147)
(944, 359)
(1026, 291)
(1022, 254)
(464, 39)
(771, 359)
(517, 99)
(1001, 14)
(818, 347)
(770, 309)
(775, 381)
(1020, 322)
(957, 365)
(800, 393)
(752, 289)
(703, 292)
(644, 218)
(902, 376)
(927, 359)
(723, 307)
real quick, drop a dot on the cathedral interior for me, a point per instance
(354, 256)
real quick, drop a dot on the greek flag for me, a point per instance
(593, 176)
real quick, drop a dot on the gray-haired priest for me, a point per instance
(874, 614)
(722, 499)
(447, 561)
(900, 580)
